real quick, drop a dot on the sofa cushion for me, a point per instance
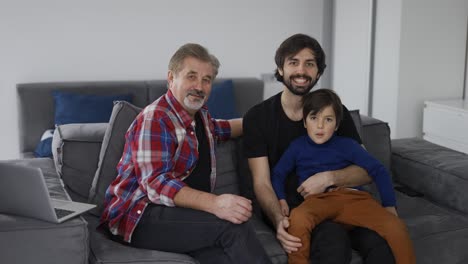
(221, 103)
(106, 251)
(375, 136)
(437, 172)
(226, 169)
(113, 143)
(44, 147)
(73, 108)
(356, 116)
(430, 226)
(75, 148)
(27, 240)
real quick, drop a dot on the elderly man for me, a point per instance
(162, 197)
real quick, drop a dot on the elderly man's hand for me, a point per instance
(233, 208)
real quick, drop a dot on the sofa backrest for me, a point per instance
(36, 105)
(247, 91)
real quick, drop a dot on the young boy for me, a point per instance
(320, 150)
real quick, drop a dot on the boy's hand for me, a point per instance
(284, 207)
(392, 210)
(315, 184)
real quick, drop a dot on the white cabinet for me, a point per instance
(445, 123)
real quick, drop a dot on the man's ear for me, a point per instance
(170, 78)
(280, 71)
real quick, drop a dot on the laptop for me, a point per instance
(23, 192)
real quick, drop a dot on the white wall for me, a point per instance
(350, 62)
(432, 62)
(44, 41)
(419, 55)
(386, 62)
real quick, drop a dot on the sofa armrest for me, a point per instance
(376, 138)
(76, 149)
(375, 135)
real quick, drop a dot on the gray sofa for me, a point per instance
(439, 231)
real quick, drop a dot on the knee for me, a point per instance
(299, 219)
(236, 232)
(395, 227)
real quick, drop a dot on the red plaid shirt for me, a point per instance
(161, 150)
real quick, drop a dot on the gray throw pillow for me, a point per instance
(75, 149)
(113, 143)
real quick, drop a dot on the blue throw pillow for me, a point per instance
(44, 148)
(71, 108)
(221, 103)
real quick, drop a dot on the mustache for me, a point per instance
(196, 93)
(308, 78)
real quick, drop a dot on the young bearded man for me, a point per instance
(271, 126)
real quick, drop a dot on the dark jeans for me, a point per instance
(205, 237)
(371, 246)
(332, 243)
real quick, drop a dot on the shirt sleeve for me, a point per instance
(154, 146)
(222, 129)
(285, 165)
(347, 127)
(254, 138)
(376, 170)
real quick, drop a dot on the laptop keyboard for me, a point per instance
(62, 212)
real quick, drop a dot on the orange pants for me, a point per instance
(349, 207)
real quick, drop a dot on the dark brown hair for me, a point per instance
(294, 45)
(317, 100)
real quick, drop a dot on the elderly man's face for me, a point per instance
(192, 85)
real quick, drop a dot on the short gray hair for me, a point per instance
(192, 50)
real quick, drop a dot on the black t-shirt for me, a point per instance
(200, 177)
(268, 131)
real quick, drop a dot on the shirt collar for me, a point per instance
(180, 111)
(310, 141)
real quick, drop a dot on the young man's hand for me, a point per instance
(284, 207)
(290, 243)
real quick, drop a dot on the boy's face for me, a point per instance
(321, 126)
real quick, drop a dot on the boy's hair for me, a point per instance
(317, 100)
(292, 45)
(192, 50)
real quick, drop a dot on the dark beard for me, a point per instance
(300, 92)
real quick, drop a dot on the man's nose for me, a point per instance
(198, 85)
(301, 68)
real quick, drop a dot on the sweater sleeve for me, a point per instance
(375, 169)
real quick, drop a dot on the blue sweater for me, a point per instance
(309, 158)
